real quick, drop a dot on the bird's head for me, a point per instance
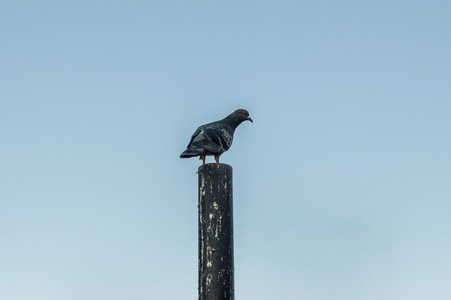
(241, 115)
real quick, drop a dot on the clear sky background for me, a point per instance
(342, 185)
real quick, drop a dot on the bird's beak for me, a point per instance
(250, 119)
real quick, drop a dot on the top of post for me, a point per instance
(214, 167)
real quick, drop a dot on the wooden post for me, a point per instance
(216, 271)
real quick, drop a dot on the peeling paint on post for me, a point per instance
(216, 271)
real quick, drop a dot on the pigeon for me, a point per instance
(215, 138)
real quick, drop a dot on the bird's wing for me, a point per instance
(214, 137)
(210, 140)
(194, 136)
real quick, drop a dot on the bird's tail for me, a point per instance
(191, 152)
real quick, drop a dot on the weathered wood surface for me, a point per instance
(216, 269)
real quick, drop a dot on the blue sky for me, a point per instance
(341, 185)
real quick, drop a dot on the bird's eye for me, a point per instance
(242, 113)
